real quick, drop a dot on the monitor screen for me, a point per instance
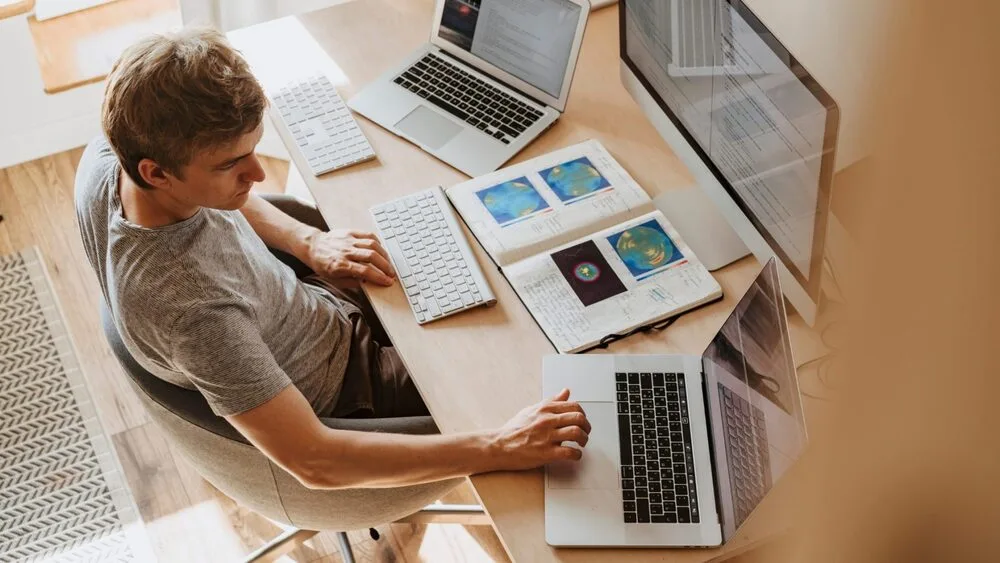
(755, 412)
(530, 39)
(753, 114)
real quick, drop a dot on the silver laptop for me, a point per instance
(683, 448)
(495, 75)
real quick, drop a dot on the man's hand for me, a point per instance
(535, 435)
(342, 254)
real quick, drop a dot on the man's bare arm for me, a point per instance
(335, 254)
(287, 431)
(276, 228)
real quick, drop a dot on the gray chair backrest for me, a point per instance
(223, 457)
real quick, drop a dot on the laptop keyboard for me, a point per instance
(657, 464)
(747, 451)
(468, 98)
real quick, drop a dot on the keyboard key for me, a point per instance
(630, 518)
(642, 510)
(447, 106)
(683, 515)
(506, 128)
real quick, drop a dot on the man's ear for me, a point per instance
(154, 174)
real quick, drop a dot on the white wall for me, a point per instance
(34, 124)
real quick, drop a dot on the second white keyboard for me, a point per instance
(323, 127)
(433, 260)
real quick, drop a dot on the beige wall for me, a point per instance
(912, 469)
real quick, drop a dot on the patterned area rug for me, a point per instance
(62, 493)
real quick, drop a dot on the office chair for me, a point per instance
(224, 458)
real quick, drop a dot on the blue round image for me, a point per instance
(644, 249)
(575, 179)
(512, 200)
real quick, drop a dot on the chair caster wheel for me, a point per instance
(374, 534)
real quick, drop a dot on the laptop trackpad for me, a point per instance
(428, 128)
(598, 469)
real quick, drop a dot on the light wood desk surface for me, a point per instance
(476, 369)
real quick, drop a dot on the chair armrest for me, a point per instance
(401, 425)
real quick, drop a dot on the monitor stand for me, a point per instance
(703, 227)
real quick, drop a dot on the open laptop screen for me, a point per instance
(755, 413)
(530, 39)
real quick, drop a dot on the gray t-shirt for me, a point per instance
(205, 305)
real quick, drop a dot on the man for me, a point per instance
(181, 248)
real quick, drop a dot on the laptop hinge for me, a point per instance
(711, 452)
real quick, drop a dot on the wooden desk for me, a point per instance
(477, 369)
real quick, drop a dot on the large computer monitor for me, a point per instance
(755, 129)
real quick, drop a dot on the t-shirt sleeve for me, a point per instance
(218, 345)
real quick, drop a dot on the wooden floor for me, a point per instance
(186, 518)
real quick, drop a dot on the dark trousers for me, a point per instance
(376, 383)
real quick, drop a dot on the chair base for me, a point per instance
(282, 544)
(464, 514)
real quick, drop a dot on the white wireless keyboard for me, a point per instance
(435, 264)
(322, 126)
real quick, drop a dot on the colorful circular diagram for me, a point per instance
(644, 249)
(587, 272)
(575, 179)
(511, 200)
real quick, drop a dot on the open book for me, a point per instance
(583, 246)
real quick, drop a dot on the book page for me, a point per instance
(548, 201)
(618, 280)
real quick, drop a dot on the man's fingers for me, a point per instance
(375, 246)
(370, 273)
(563, 406)
(568, 453)
(374, 258)
(562, 395)
(574, 419)
(371, 244)
(382, 263)
(362, 234)
(571, 434)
